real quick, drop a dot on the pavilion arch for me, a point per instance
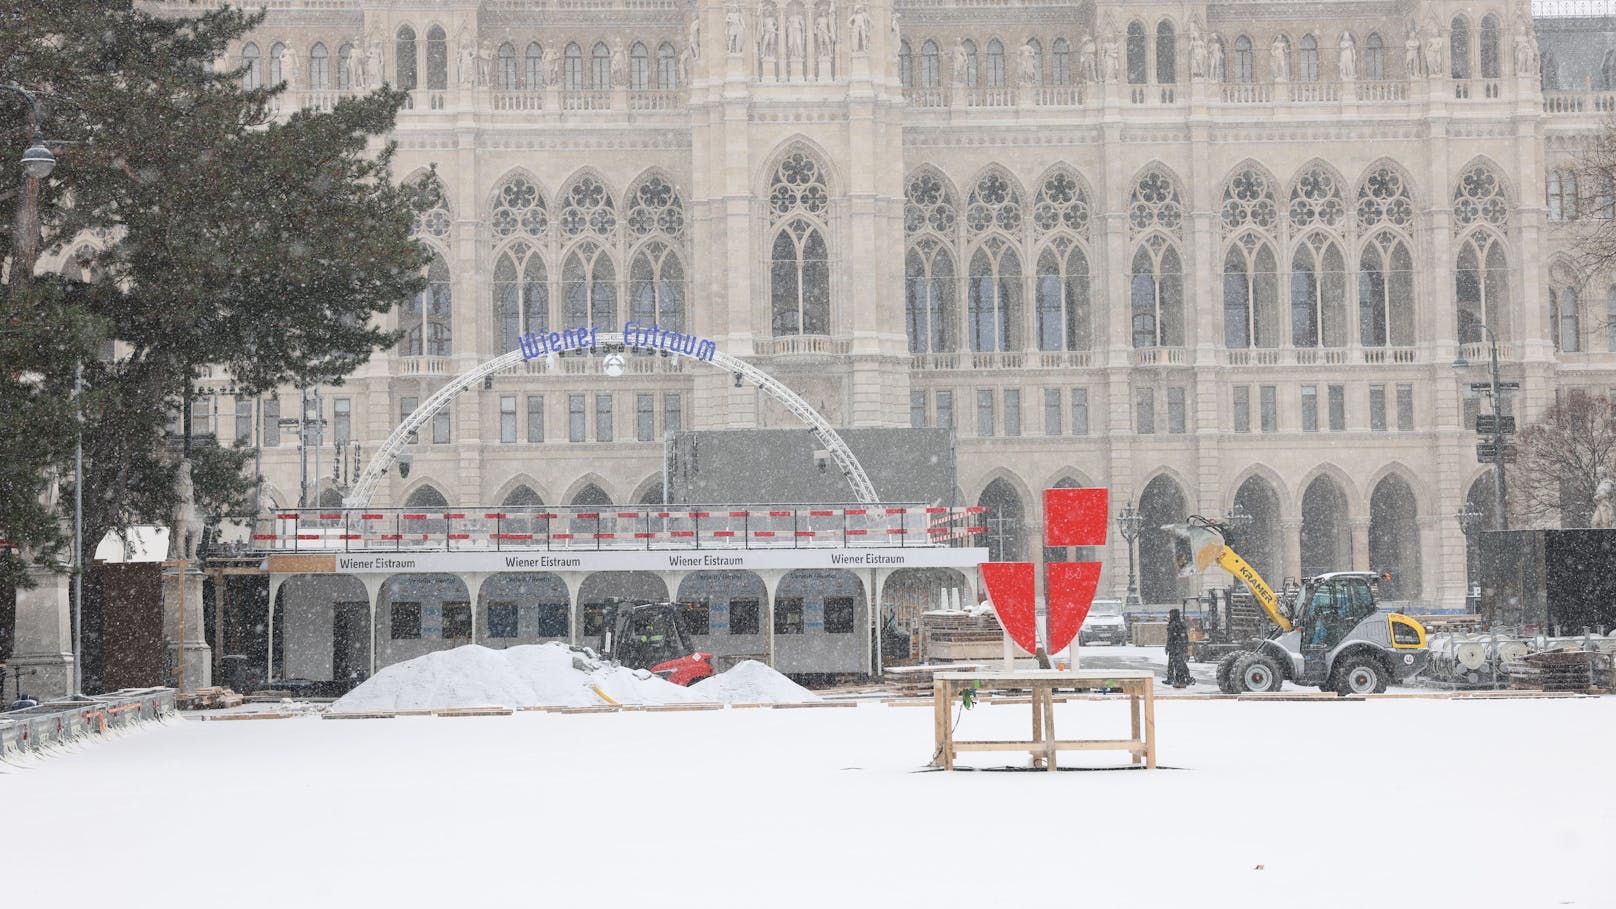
(1162, 501)
(590, 488)
(522, 484)
(1326, 529)
(650, 491)
(1009, 504)
(1287, 499)
(1069, 478)
(799, 142)
(1348, 486)
(425, 494)
(1394, 535)
(1399, 468)
(1262, 541)
(1481, 498)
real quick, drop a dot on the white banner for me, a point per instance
(659, 560)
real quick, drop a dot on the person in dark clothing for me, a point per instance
(1178, 651)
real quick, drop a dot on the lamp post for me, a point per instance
(1469, 523)
(1500, 518)
(1238, 519)
(1129, 523)
(37, 164)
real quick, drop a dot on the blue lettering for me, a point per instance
(555, 341)
(532, 346)
(706, 349)
(569, 339)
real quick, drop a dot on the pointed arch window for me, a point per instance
(1374, 58)
(1385, 292)
(667, 67)
(1491, 61)
(929, 297)
(639, 68)
(507, 68)
(1166, 53)
(1060, 62)
(1459, 48)
(1318, 293)
(995, 64)
(574, 60)
(252, 75)
(588, 287)
(655, 207)
(533, 70)
(1138, 50)
(995, 203)
(1565, 317)
(428, 318)
(994, 296)
(931, 70)
(1063, 297)
(1481, 286)
(1562, 195)
(1307, 61)
(656, 287)
(1155, 204)
(521, 294)
(1156, 294)
(404, 59)
(437, 59)
(519, 207)
(929, 205)
(906, 65)
(1250, 293)
(588, 208)
(1240, 68)
(600, 67)
(799, 258)
(1479, 198)
(345, 64)
(319, 67)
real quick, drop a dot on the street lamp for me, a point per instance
(1469, 524)
(1129, 523)
(1500, 518)
(37, 164)
(1238, 519)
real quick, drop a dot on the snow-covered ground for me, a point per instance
(1383, 803)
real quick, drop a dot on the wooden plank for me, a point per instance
(673, 708)
(1062, 745)
(815, 704)
(357, 716)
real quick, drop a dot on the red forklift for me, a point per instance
(647, 636)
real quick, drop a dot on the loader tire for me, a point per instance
(1226, 671)
(1256, 673)
(1361, 674)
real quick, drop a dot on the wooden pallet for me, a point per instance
(208, 699)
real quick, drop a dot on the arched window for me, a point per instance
(656, 207)
(1166, 53)
(1156, 294)
(906, 65)
(993, 306)
(931, 69)
(588, 208)
(574, 60)
(252, 75)
(667, 67)
(600, 67)
(1061, 204)
(1459, 48)
(1326, 540)
(1060, 62)
(533, 71)
(437, 59)
(929, 297)
(639, 67)
(588, 287)
(1565, 317)
(404, 61)
(506, 80)
(1005, 520)
(1063, 298)
(428, 318)
(1394, 538)
(1374, 58)
(1240, 71)
(519, 207)
(1307, 62)
(656, 287)
(799, 260)
(1481, 286)
(1155, 204)
(1138, 50)
(1161, 503)
(521, 294)
(432, 220)
(1385, 292)
(1479, 198)
(319, 68)
(1491, 62)
(995, 61)
(1037, 60)
(345, 62)
(970, 62)
(1250, 293)
(1318, 293)
(277, 63)
(1562, 195)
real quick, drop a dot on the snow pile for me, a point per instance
(529, 675)
(751, 682)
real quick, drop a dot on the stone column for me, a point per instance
(1290, 538)
(42, 660)
(1360, 546)
(186, 581)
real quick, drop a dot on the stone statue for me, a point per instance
(1215, 65)
(962, 60)
(734, 29)
(354, 66)
(1526, 58)
(375, 67)
(289, 69)
(1113, 57)
(768, 33)
(186, 530)
(684, 66)
(485, 65)
(1411, 52)
(1197, 51)
(1604, 515)
(1279, 59)
(1348, 57)
(796, 37)
(619, 63)
(552, 67)
(1433, 52)
(858, 25)
(468, 61)
(695, 37)
(1087, 66)
(824, 32)
(1029, 65)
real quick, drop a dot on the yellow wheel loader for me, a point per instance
(1330, 633)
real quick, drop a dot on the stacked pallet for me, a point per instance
(1557, 670)
(952, 635)
(916, 681)
(209, 699)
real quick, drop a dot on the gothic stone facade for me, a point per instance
(1205, 254)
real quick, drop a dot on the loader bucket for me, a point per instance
(1197, 547)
